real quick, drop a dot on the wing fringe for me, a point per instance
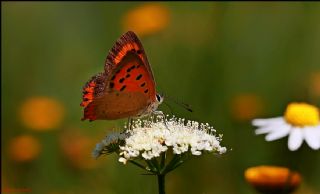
(125, 43)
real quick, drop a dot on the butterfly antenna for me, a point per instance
(182, 104)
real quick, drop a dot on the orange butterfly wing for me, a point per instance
(127, 86)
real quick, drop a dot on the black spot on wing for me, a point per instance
(139, 77)
(123, 87)
(131, 68)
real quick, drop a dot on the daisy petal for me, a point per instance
(264, 122)
(273, 126)
(295, 139)
(312, 137)
(280, 132)
(264, 130)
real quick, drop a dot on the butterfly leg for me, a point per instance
(129, 125)
(163, 116)
(165, 121)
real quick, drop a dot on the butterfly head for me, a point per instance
(159, 98)
(154, 106)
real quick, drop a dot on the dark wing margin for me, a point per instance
(128, 42)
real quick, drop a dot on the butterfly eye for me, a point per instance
(159, 98)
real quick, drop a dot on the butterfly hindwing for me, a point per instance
(116, 105)
(93, 88)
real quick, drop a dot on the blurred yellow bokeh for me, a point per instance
(146, 19)
(77, 149)
(315, 84)
(272, 179)
(41, 113)
(24, 148)
(245, 107)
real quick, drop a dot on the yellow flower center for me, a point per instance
(302, 114)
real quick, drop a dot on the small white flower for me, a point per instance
(97, 150)
(104, 145)
(300, 122)
(148, 139)
(222, 150)
(123, 160)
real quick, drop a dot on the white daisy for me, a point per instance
(300, 122)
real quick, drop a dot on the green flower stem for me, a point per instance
(159, 167)
(151, 166)
(161, 183)
(182, 159)
(163, 160)
(175, 166)
(138, 164)
(156, 164)
(174, 160)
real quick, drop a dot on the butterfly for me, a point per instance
(126, 88)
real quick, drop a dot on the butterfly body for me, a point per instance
(126, 88)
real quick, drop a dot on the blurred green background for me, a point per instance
(230, 61)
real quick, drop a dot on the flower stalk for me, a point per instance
(161, 183)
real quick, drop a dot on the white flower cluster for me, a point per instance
(150, 138)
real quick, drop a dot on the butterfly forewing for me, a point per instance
(132, 76)
(126, 43)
